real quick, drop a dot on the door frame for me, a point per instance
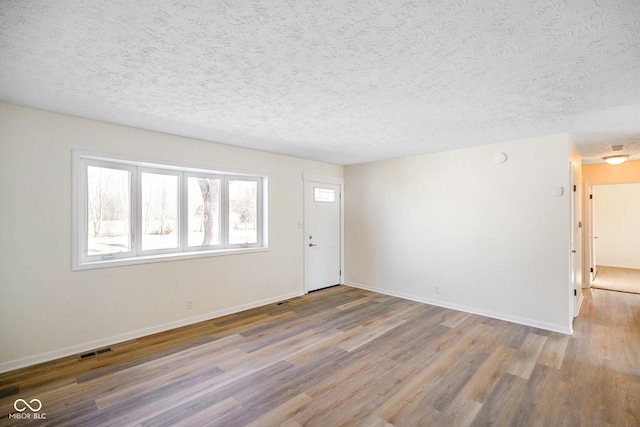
(591, 254)
(576, 236)
(621, 174)
(307, 177)
(591, 245)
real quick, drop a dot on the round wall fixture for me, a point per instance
(499, 158)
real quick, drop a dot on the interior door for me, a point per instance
(323, 235)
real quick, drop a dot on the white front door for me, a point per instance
(323, 235)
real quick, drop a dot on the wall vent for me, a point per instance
(87, 355)
(94, 353)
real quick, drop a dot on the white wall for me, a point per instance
(492, 238)
(617, 225)
(49, 311)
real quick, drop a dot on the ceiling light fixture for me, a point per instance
(616, 159)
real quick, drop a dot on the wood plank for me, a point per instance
(504, 403)
(283, 413)
(454, 318)
(527, 356)
(435, 369)
(486, 377)
(199, 418)
(554, 349)
(460, 413)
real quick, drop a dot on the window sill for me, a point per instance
(121, 262)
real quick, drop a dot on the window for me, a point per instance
(327, 195)
(204, 225)
(243, 211)
(159, 210)
(130, 212)
(108, 210)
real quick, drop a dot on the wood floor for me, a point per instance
(346, 356)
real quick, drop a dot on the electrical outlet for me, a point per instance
(436, 289)
(189, 304)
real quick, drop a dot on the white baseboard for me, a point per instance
(472, 310)
(105, 342)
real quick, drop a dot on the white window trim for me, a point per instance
(80, 261)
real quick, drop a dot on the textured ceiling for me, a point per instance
(345, 81)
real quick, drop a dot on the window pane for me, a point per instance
(159, 211)
(203, 211)
(243, 212)
(108, 201)
(324, 195)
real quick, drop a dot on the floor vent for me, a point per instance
(94, 353)
(282, 302)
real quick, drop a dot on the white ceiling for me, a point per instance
(341, 81)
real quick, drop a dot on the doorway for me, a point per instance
(615, 231)
(323, 232)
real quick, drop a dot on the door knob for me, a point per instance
(311, 244)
